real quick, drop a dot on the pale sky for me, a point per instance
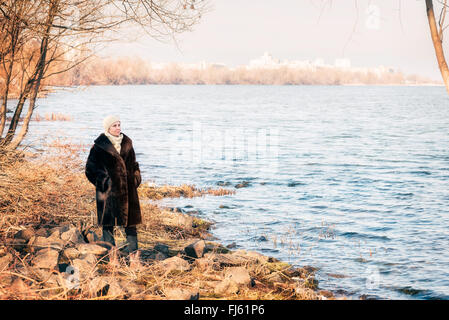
(369, 33)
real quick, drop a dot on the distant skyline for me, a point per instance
(370, 33)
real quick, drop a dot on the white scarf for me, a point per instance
(116, 141)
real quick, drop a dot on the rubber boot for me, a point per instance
(132, 243)
(108, 235)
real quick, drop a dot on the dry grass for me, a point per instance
(53, 117)
(44, 190)
(184, 190)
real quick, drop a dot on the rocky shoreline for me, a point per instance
(51, 248)
(68, 261)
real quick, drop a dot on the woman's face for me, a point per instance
(115, 129)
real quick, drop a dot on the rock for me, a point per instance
(72, 235)
(203, 263)
(85, 267)
(159, 256)
(243, 184)
(181, 294)
(194, 212)
(19, 286)
(71, 253)
(60, 229)
(54, 280)
(86, 248)
(229, 260)
(89, 258)
(6, 279)
(19, 244)
(174, 263)
(106, 286)
(251, 256)
(55, 233)
(239, 275)
(39, 242)
(226, 287)
(326, 293)
(195, 249)
(163, 248)
(132, 289)
(25, 234)
(43, 232)
(5, 261)
(134, 261)
(274, 277)
(231, 245)
(46, 259)
(216, 248)
(91, 236)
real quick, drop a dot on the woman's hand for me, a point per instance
(103, 183)
(137, 178)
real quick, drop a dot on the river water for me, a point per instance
(353, 180)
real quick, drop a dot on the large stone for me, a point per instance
(86, 267)
(203, 263)
(91, 236)
(106, 286)
(5, 261)
(226, 287)
(86, 248)
(71, 253)
(181, 294)
(239, 275)
(46, 259)
(221, 260)
(25, 234)
(18, 286)
(252, 256)
(42, 232)
(174, 263)
(162, 248)
(195, 249)
(72, 235)
(39, 242)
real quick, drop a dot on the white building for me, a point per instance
(342, 63)
(266, 61)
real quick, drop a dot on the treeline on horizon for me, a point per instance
(125, 71)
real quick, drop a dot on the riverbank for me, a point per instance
(52, 250)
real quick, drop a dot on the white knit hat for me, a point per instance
(108, 121)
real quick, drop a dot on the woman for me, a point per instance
(112, 168)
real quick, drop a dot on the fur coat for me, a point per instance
(116, 178)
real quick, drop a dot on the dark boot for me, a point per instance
(108, 235)
(131, 239)
(132, 243)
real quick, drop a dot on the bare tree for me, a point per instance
(437, 38)
(41, 38)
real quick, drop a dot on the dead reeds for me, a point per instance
(48, 191)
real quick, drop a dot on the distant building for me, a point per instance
(342, 63)
(266, 61)
(318, 62)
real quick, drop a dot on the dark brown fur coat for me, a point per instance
(116, 178)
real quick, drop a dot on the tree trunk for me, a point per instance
(26, 121)
(32, 86)
(35, 90)
(437, 43)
